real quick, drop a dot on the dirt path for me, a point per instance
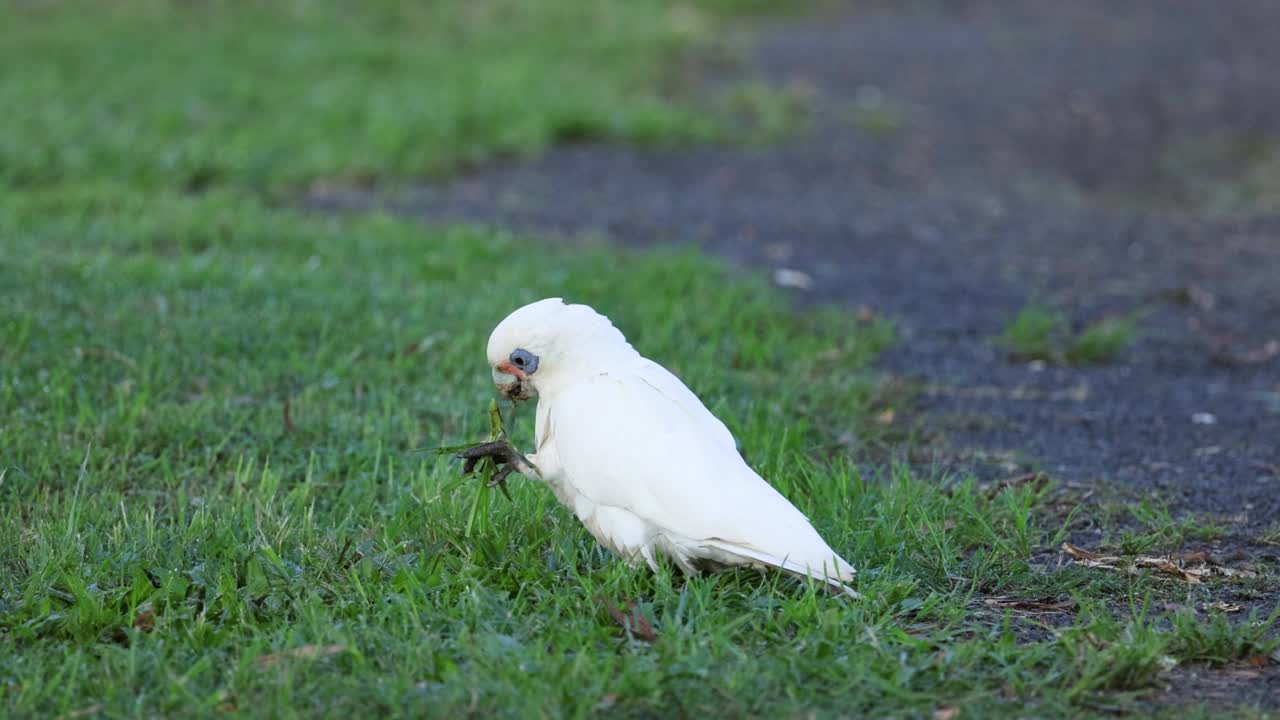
(967, 155)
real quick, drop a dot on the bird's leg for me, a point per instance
(506, 457)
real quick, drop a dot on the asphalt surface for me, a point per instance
(962, 158)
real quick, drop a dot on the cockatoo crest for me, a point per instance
(567, 341)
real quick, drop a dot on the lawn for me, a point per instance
(213, 495)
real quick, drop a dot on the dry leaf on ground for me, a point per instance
(946, 712)
(145, 620)
(1026, 605)
(1192, 568)
(631, 620)
(1079, 553)
(302, 652)
(792, 278)
(1034, 478)
(81, 712)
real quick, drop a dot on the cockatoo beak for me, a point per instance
(512, 382)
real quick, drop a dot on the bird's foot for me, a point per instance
(506, 457)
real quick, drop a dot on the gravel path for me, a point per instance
(965, 156)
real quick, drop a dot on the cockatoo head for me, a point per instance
(547, 344)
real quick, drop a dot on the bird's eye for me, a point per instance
(525, 360)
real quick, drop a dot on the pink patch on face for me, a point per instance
(506, 367)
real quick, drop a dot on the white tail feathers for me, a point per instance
(836, 571)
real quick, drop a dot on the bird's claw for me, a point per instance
(506, 457)
(500, 451)
(500, 476)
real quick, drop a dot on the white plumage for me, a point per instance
(637, 456)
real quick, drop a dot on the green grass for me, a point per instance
(1271, 535)
(1033, 332)
(1103, 341)
(149, 471)
(164, 529)
(766, 113)
(1226, 174)
(1041, 332)
(1158, 530)
(1219, 640)
(211, 498)
(265, 95)
(877, 117)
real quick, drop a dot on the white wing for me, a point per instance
(665, 382)
(624, 441)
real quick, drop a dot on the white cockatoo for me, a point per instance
(637, 457)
